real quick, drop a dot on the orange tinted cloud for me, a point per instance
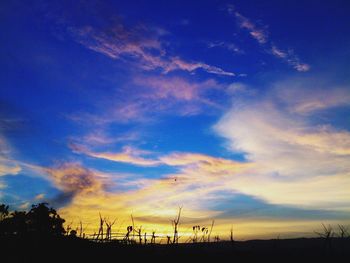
(127, 155)
(155, 200)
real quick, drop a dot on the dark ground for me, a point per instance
(67, 249)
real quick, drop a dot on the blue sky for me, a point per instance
(142, 106)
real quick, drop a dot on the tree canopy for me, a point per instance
(39, 220)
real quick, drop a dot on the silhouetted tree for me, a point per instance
(18, 223)
(45, 220)
(4, 211)
(40, 220)
(4, 222)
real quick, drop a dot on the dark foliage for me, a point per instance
(41, 220)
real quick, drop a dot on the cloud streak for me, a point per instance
(128, 155)
(142, 46)
(261, 35)
(290, 58)
(258, 33)
(134, 156)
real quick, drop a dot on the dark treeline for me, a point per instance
(40, 220)
(38, 235)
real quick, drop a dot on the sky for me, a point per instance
(236, 111)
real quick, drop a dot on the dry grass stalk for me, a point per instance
(211, 229)
(175, 223)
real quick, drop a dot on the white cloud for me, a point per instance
(296, 161)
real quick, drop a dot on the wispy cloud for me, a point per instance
(101, 137)
(142, 46)
(309, 96)
(229, 46)
(136, 156)
(154, 97)
(127, 155)
(258, 33)
(261, 35)
(175, 88)
(7, 165)
(290, 58)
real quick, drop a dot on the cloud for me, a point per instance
(290, 58)
(139, 45)
(261, 35)
(74, 178)
(175, 88)
(86, 192)
(202, 162)
(258, 33)
(278, 53)
(229, 46)
(133, 156)
(296, 161)
(237, 88)
(39, 197)
(24, 206)
(152, 98)
(7, 165)
(316, 97)
(101, 137)
(208, 187)
(198, 176)
(127, 155)
(177, 63)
